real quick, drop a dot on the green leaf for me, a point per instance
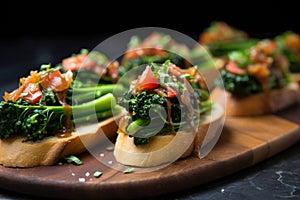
(45, 66)
(128, 170)
(97, 174)
(73, 159)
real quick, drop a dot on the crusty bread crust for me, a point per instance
(257, 104)
(295, 77)
(168, 148)
(15, 152)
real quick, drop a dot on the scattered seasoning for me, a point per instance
(73, 174)
(101, 154)
(222, 190)
(73, 159)
(60, 163)
(81, 180)
(128, 170)
(110, 162)
(97, 174)
(110, 148)
(87, 174)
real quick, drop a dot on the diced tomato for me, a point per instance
(206, 38)
(171, 93)
(233, 68)
(147, 80)
(56, 81)
(34, 97)
(79, 61)
(32, 93)
(113, 71)
(144, 51)
(28, 85)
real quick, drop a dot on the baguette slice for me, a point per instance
(295, 77)
(257, 104)
(14, 152)
(168, 148)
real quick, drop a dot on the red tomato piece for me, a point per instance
(233, 68)
(147, 80)
(56, 81)
(31, 93)
(171, 93)
(79, 61)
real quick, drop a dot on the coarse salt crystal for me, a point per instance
(87, 173)
(81, 179)
(73, 174)
(101, 154)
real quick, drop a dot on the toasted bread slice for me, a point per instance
(15, 152)
(168, 148)
(257, 104)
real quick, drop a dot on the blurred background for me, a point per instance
(49, 32)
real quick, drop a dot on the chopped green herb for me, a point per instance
(97, 174)
(128, 170)
(73, 159)
(188, 76)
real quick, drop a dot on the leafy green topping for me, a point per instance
(153, 112)
(98, 174)
(239, 85)
(240, 57)
(34, 122)
(73, 159)
(128, 170)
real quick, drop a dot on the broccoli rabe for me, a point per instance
(160, 102)
(36, 122)
(239, 85)
(142, 105)
(33, 122)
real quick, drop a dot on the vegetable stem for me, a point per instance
(136, 125)
(100, 115)
(100, 89)
(103, 103)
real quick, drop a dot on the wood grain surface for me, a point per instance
(244, 141)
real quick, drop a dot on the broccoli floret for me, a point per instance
(140, 106)
(141, 103)
(36, 122)
(33, 122)
(138, 141)
(239, 85)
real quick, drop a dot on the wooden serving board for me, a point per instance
(243, 142)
